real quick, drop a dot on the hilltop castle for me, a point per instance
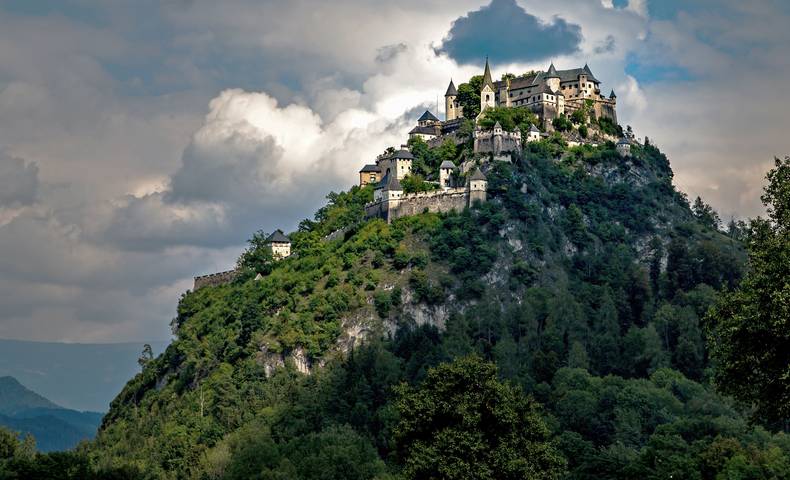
(548, 95)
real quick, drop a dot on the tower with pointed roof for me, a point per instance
(452, 108)
(487, 91)
(476, 187)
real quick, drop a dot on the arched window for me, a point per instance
(488, 97)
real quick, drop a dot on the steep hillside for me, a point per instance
(584, 278)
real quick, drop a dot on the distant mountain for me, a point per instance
(15, 398)
(73, 375)
(54, 427)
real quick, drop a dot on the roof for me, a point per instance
(624, 141)
(519, 82)
(447, 164)
(477, 175)
(428, 116)
(552, 73)
(451, 90)
(497, 124)
(392, 183)
(423, 130)
(533, 129)
(403, 153)
(612, 95)
(370, 168)
(277, 237)
(487, 77)
(567, 75)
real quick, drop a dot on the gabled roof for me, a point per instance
(447, 164)
(477, 175)
(487, 77)
(624, 141)
(612, 95)
(533, 128)
(423, 130)
(277, 237)
(428, 116)
(370, 168)
(392, 183)
(498, 125)
(451, 90)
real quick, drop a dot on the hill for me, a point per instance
(583, 278)
(54, 427)
(74, 375)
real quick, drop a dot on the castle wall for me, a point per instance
(215, 279)
(439, 201)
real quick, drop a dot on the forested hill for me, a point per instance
(583, 280)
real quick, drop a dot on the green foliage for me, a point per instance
(415, 183)
(562, 124)
(609, 127)
(750, 326)
(469, 96)
(463, 423)
(510, 119)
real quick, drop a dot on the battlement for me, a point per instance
(215, 279)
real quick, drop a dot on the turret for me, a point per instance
(451, 107)
(624, 147)
(552, 78)
(613, 97)
(477, 187)
(487, 92)
(446, 170)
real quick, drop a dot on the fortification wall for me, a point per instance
(438, 201)
(215, 279)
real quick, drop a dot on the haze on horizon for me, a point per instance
(142, 144)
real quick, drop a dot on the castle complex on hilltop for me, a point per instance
(548, 95)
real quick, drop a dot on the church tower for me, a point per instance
(487, 93)
(451, 107)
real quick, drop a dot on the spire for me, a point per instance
(451, 90)
(612, 95)
(487, 76)
(552, 73)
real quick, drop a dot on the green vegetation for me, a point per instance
(510, 119)
(750, 339)
(469, 96)
(551, 332)
(416, 183)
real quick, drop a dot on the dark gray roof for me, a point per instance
(277, 237)
(552, 73)
(612, 95)
(533, 128)
(497, 124)
(447, 164)
(451, 90)
(424, 130)
(370, 168)
(392, 182)
(477, 175)
(487, 77)
(428, 116)
(571, 75)
(403, 153)
(547, 89)
(624, 141)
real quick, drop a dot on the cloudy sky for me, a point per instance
(141, 143)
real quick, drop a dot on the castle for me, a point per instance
(548, 95)
(391, 202)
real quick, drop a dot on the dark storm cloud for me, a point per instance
(506, 33)
(18, 181)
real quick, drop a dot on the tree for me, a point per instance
(146, 356)
(463, 423)
(469, 96)
(750, 326)
(705, 214)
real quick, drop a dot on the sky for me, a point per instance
(142, 143)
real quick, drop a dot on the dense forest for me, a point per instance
(558, 331)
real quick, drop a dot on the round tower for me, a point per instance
(552, 78)
(451, 102)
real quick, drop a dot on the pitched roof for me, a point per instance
(612, 95)
(370, 168)
(477, 175)
(552, 73)
(403, 153)
(533, 128)
(487, 77)
(392, 183)
(497, 124)
(428, 116)
(447, 164)
(624, 141)
(423, 130)
(277, 237)
(451, 90)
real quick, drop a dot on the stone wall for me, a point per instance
(215, 279)
(415, 203)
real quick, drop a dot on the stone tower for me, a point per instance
(487, 93)
(446, 173)
(477, 187)
(451, 107)
(553, 78)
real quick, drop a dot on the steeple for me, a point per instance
(552, 73)
(612, 95)
(487, 76)
(451, 90)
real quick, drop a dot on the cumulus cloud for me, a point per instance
(506, 33)
(18, 181)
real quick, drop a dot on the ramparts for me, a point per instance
(435, 201)
(215, 279)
